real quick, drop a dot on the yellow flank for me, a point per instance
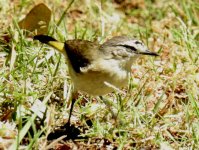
(57, 45)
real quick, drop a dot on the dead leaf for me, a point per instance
(37, 20)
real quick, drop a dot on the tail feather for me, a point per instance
(50, 41)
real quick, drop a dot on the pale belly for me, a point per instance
(94, 83)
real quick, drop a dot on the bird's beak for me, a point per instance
(147, 52)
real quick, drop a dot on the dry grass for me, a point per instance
(160, 107)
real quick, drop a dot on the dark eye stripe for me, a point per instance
(129, 47)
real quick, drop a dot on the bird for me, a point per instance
(96, 68)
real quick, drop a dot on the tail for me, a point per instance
(50, 41)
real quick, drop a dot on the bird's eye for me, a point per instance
(138, 42)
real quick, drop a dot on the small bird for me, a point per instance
(93, 67)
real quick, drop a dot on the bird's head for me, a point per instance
(135, 47)
(125, 50)
(126, 46)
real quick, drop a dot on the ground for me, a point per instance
(158, 110)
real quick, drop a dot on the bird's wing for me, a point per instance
(81, 53)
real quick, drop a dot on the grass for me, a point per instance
(158, 110)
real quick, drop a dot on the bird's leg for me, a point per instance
(74, 97)
(68, 130)
(71, 110)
